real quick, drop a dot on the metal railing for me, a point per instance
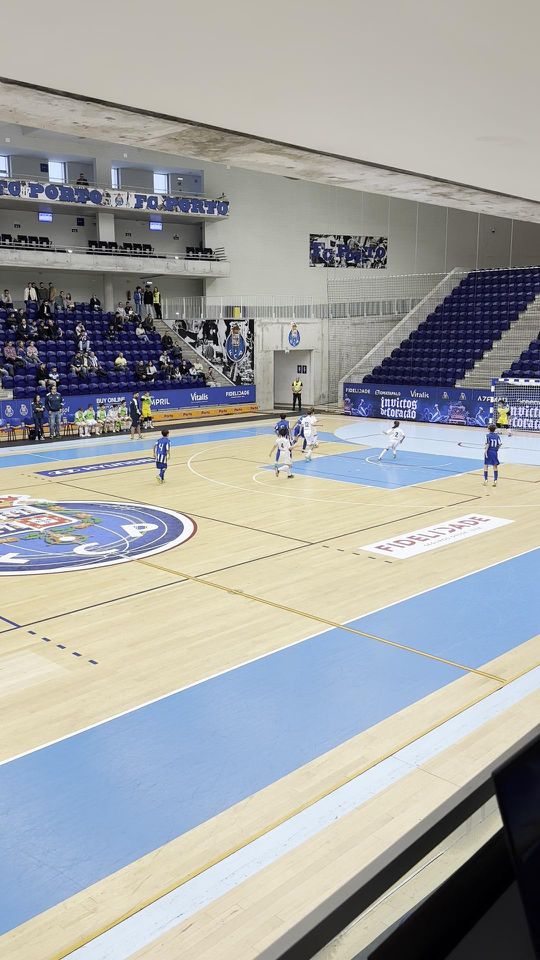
(218, 253)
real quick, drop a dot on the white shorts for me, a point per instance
(285, 459)
(312, 441)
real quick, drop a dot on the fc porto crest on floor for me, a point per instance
(42, 536)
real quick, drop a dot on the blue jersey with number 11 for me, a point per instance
(493, 442)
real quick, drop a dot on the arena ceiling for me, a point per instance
(425, 100)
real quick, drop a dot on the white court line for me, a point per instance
(270, 653)
(153, 921)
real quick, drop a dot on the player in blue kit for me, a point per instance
(491, 454)
(162, 452)
(298, 431)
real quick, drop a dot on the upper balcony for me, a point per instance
(109, 257)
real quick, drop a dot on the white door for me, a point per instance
(288, 366)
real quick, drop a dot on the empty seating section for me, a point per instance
(461, 329)
(60, 353)
(528, 364)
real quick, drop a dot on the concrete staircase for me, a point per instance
(189, 352)
(505, 350)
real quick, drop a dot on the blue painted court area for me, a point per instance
(76, 811)
(362, 467)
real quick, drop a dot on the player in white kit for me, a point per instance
(395, 437)
(309, 426)
(283, 448)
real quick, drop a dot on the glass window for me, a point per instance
(161, 183)
(57, 172)
(4, 166)
(115, 178)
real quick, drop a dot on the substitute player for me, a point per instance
(283, 447)
(162, 454)
(311, 437)
(491, 454)
(395, 438)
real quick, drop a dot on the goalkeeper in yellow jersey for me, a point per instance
(503, 414)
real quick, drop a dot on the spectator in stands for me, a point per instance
(166, 364)
(130, 313)
(32, 328)
(148, 300)
(199, 369)
(60, 301)
(21, 353)
(42, 330)
(121, 311)
(42, 292)
(52, 330)
(140, 332)
(10, 357)
(166, 341)
(6, 299)
(177, 374)
(148, 324)
(84, 342)
(137, 300)
(82, 181)
(78, 366)
(95, 302)
(38, 414)
(157, 303)
(120, 363)
(32, 354)
(23, 330)
(54, 376)
(30, 292)
(185, 368)
(176, 352)
(114, 327)
(42, 375)
(95, 366)
(69, 305)
(210, 379)
(52, 294)
(150, 371)
(53, 404)
(208, 351)
(140, 371)
(44, 311)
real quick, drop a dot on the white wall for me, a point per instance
(63, 230)
(266, 237)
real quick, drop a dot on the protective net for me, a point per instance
(516, 403)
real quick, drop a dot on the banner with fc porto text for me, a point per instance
(462, 407)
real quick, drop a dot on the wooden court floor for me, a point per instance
(271, 563)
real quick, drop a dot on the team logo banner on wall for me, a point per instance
(294, 335)
(332, 250)
(465, 408)
(228, 345)
(119, 199)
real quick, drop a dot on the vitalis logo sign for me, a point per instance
(41, 536)
(431, 538)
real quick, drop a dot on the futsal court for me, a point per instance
(168, 710)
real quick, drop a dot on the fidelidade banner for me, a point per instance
(462, 406)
